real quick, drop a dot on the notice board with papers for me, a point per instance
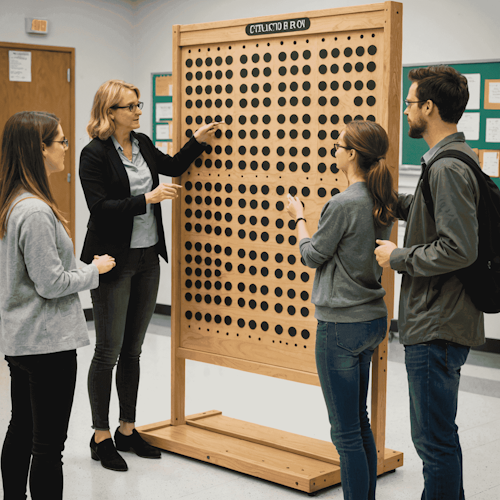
(162, 112)
(480, 122)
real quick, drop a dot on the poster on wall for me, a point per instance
(19, 66)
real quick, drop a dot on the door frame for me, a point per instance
(71, 52)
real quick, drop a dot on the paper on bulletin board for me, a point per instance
(163, 111)
(474, 84)
(494, 93)
(490, 163)
(162, 146)
(162, 131)
(164, 85)
(492, 129)
(19, 66)
(469, 125)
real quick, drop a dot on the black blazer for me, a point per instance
(112, 208)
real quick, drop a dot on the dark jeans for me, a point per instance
(343, 355)
(433, 378)
(42, 389)
(122, 311)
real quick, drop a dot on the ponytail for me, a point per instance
(370, 141)
(379, 184)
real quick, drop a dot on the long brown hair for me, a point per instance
(107, 96)
(22, 165)
(370, 141)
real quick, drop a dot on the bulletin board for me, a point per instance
(485, 104)
(285, 86)
(162, 112)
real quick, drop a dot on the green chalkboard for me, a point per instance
(413, 149)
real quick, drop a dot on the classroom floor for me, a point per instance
(274, 403)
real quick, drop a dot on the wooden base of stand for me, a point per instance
(299, 462)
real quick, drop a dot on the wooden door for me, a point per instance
(51, 89)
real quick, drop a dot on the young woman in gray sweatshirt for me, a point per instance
(41, 319)
(351, 313)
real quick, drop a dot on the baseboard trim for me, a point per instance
(491, 345)
(89, 314)
(162, 309)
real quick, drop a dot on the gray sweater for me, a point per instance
(346, 285)
(40, 311)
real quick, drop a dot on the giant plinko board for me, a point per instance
(284, 86)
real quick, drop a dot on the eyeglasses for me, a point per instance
(65, 142)
(407, 102)
(336, 147)
(130, 107)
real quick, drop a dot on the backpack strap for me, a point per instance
(449, 153)
(429, 203)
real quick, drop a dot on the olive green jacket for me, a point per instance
(433, 248)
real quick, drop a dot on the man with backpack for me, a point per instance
(438, 321)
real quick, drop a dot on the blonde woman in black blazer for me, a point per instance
(119, 172)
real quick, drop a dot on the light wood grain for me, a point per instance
(274, 465)
(322, 21)
(301, 463)
(391, 122)
(178, 364)
(226, 304)
(251, 366)
(194, 213)
(286, 441)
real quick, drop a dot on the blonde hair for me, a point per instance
(107, 96)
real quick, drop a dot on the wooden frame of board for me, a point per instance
(240, 294)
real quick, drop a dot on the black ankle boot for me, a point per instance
(106, 452)
(135, 443)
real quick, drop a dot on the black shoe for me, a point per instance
(106, 452)
(135, 443)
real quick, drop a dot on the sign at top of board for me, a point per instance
(272, 27)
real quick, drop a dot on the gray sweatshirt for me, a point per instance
(346, 285)
(40, 311)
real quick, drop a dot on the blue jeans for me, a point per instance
(343, 355)
(42, 389)
(433, 378)
(122, 311)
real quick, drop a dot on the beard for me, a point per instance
(417, 129)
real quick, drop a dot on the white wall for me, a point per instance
(130, 40)
(102, 32)
(434, 31)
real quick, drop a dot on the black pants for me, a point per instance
(42, 389)
(122, 312)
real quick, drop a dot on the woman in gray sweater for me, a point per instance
(41, 319)
(351, 313)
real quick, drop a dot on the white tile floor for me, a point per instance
(275, 403)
